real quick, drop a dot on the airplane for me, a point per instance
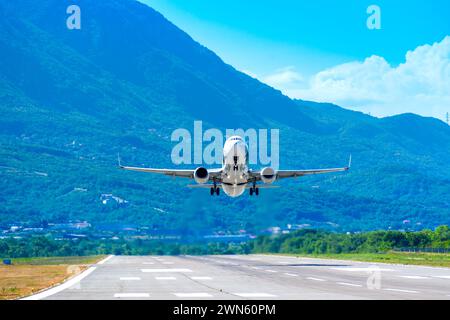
(235, 176)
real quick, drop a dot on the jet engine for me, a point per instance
(201, 175)
(268, 175)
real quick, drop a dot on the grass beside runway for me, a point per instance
(407, 258)
(30, 275)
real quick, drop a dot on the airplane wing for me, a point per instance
(184, 173)
(208, 186)
(281, 174)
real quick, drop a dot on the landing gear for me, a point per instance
(254, 189)
(215, 189)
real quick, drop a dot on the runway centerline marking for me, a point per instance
(415, 277)
(315, 279)
(201, 278)
(193, 295)
(165, 270)
(401, 290)
(349, 284)
(165, 278)
(254, 295)
(291, 274)
(131, 295)
(273, 271)
(129, 278)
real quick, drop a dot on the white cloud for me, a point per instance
(285, 78)
(420, 85)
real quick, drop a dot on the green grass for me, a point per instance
(30, 275)
(408, 258)
(56, 260)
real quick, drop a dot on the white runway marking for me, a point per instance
(256, 268)
(193, 295)
(148, 263)
(414, 277)
(165, 278)
(129, 278)
(63, 286)
(401, 290)
(273, 271)
(106, 259)
(165, 270)
(255, 295)
(368, 269)
(131, 295)
(349, 284)
(291, 274)
(201, 278)
(443, 277)
(315, 279)
(167, 262)
(283, 262)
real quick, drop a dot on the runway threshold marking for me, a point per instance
(193, 295)
(254, 295)
(401, 290)
(201, 278)
(349, 284)
(131, 295)
(166, 270)
(130, 278)
(315, 279)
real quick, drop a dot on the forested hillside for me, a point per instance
(72, 99)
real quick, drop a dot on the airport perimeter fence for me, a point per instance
(426, 250)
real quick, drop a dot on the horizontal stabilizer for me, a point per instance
(203, 186)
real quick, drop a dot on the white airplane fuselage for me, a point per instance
(235, 166)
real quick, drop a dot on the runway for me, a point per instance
(260, 277)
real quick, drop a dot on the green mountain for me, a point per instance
(72, 99)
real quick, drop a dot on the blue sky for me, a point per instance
(298, 40)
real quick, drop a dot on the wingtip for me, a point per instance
(119, 161)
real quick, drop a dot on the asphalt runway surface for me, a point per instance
(259, 277)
